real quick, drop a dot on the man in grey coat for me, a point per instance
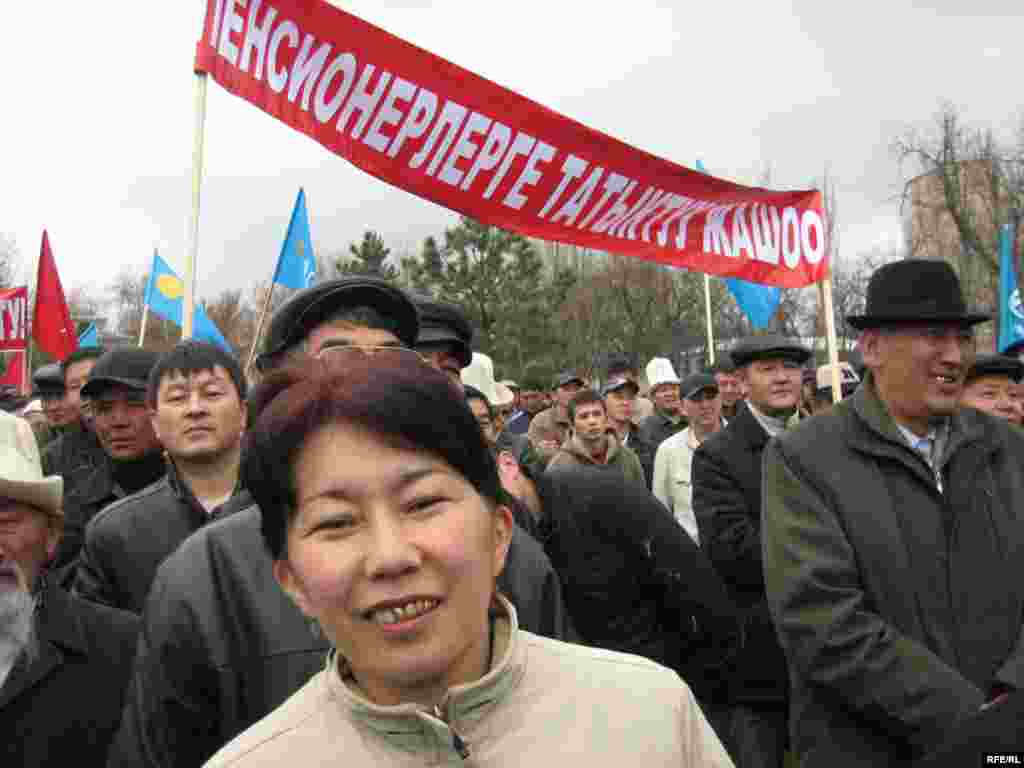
(892, 540)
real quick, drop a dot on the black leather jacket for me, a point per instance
(222, 645)
(128, 540)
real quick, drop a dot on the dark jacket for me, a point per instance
(97, 490)
(899, 606)
(222, 645)
(633, 579)
(726, 477)
(74, 455)
(651, 433)
(999, 729)
(127, 541)
(63, 708)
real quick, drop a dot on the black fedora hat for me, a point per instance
(914, 291)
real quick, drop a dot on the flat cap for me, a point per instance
(996, 365)
(444, 323)
(312, 306)
(129, 366)
(768, 347)
(48, 380)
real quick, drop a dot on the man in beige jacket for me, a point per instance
(592, 443)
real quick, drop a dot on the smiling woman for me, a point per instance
(382, 509)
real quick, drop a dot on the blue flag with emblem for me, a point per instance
(164, 292)
(1011, 313)
(758, 302)
(89, 337)
(296, 266)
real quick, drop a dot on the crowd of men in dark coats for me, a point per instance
(836, 584)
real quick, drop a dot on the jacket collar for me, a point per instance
(414, 728)
(576, 447)
(99, 485)
(57, 633)
(183, 492)
(881, 436)
(749, 429)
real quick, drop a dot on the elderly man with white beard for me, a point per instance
(64, 662)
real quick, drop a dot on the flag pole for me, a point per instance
(830, 335)
(31, 331)
(142, 329)
(188, 301)
(259, 325)
(707, 310)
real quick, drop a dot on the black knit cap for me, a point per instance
(312, 306)
(442, 323)
(914, 291)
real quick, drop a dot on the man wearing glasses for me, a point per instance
(222, 646)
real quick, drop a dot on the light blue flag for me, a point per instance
(758, 302)
(296, 266)
(164, 292)
(1011, 313)
(90, 337)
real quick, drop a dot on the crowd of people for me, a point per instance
(369, 551)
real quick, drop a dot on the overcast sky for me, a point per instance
(98, 114)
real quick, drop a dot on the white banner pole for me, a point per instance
(830, 335)
(188, 301)
(707, 310)
(142, 328)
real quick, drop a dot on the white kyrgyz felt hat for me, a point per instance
(480, 374)
(503, 395)
(21, 472)
(660, 371)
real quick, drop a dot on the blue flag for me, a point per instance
(296, 266)
(89, 337)
(1011, 313)
(758, 302)
(164, 292)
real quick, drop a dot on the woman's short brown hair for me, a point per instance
(393, 394)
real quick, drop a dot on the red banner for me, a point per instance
(14, 374)
(447, 135)
(14, 318)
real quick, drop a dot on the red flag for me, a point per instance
(52, 327)
(15, 373)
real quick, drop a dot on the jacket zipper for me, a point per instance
(458, 743)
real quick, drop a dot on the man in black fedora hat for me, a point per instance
(891, 532)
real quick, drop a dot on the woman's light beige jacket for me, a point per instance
(541, 699)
